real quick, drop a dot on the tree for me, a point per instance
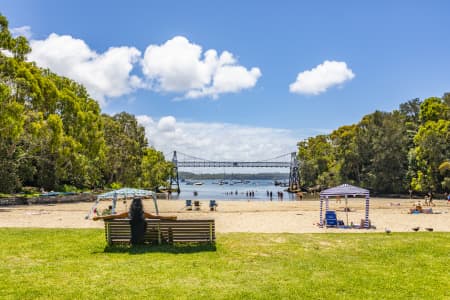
(433, 109)
(52, 132)
(155, 169)
(432, 145)
(431, 151)
(317, 162)
(347, 155)
(126, 144)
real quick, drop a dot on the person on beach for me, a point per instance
(137, 217)
(417, 208)
(107, 211)
(430, 199)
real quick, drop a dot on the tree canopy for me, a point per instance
(387, 152)
(53, 135)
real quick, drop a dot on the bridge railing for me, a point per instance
(232, 164)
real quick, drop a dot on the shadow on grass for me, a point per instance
(177, 248)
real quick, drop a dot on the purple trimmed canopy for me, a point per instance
(344, 190)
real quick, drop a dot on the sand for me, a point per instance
(244, 216)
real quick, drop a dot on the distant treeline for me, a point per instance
(388, 152)
(238, 176)
(53, 135)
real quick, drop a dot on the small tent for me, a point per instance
(344, 190)
(123, 193)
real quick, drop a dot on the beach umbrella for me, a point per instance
(123, 193)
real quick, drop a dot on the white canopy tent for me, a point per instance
(123, 193)
(344, 190)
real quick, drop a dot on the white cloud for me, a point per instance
(322, 77)
(167, 124)
(179, 66)
(104, 75)
(221, 141)
(24, 31)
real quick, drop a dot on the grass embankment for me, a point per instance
(75, 264)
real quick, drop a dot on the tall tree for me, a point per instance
(126, 145)
(347, 155)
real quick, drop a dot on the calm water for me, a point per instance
(211, 189)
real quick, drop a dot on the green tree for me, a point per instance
(431, 151)
(432, 145)
(156, 170)
(317, 162)
(126, 145)
(347, 155)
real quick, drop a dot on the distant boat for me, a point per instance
(188, 183)
(198, 183)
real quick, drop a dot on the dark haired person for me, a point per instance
(137, 217)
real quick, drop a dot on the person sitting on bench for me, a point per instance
(137, 217)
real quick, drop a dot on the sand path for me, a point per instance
(244, 216)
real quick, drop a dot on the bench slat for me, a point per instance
(119, 231)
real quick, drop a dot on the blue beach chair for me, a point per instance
(212, 205)
(189, 204)
(330, 218)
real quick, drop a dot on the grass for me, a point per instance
(76, 264)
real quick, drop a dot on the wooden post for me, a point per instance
(210, 232)
(170, 235)
(108, 233)
(159, 234)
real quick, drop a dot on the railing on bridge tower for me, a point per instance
(174, 176)
(294, 175)
(194, 162)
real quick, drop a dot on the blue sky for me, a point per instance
(356, 57)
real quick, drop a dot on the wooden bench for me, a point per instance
(162, 231)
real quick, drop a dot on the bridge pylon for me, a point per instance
(294, 176)
(174, 180)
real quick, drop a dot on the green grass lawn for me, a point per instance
(76, 264)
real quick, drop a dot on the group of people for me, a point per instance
(280, 195)
(417, 208)
(231, 193)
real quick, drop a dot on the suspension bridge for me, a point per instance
(189, 161)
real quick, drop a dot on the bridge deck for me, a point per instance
(232, 164)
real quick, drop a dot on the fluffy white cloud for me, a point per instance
(176, 66)
(167, 124)
(21, 31)
(221, 141)
(104, 75)
(322, 77)
(179, 66)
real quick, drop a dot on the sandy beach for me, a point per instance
(244, 216)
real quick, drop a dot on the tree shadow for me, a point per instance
(177, 248)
